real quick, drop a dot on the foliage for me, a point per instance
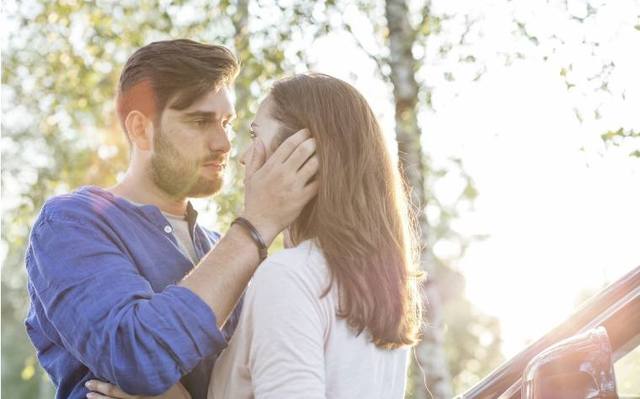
(61, 65)
(585, 47)
(60, 68)
(622, 137)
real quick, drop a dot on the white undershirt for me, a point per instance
(180, 227)
(180, 230)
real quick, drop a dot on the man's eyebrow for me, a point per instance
(253, 124)
(202, 114)
(209, 115)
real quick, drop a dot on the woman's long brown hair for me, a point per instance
(360, 217)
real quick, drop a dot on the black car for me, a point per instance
(576, 359)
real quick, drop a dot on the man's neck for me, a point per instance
(143, 191)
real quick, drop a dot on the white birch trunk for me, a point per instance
(432, 379)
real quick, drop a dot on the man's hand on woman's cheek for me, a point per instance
(104, 390)
(277, 189)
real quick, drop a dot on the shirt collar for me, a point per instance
(192, 217)
(151, 212)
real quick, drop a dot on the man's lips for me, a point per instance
(216, 165)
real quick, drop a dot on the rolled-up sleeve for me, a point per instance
(108, 316)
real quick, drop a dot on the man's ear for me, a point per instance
(139, 130)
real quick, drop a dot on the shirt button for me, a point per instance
(168, 229)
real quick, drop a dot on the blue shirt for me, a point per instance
(104, 300)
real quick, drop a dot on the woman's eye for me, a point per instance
(252, 134)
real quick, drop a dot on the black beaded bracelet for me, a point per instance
(255, 235)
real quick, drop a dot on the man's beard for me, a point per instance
(176, 175)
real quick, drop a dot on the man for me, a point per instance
(115, 295)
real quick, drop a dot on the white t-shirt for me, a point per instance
(289, 343)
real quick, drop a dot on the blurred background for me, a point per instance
(517, 124)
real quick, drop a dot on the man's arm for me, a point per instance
(108, 316)
(104, 390)
(275, 193)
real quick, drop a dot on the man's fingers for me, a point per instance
(301, 155)
(257, 159)
(287, 148)
(110, 390)
(94, 395)
(310, 191)
(309, 169)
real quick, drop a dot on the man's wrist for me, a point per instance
(267, 230)
(255, 236)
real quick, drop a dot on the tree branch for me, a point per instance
(380, 61)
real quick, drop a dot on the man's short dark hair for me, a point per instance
(174, 74)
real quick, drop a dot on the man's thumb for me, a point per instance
(258, 158)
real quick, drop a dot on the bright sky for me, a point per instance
(559, 220)
(561, 210)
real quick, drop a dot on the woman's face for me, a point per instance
(263, 128)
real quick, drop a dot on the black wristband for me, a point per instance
(255, 235)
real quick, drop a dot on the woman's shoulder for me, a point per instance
(303, 265)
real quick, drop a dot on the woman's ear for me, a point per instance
(139, 129)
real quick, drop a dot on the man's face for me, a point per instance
(191, 146)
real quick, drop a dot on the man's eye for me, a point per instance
(201, 122)
(252, 134)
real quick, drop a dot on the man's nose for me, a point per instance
(219, 141)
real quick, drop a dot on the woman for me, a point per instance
(333, 316)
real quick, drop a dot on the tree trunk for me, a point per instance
(240, 21)
(432, 369)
